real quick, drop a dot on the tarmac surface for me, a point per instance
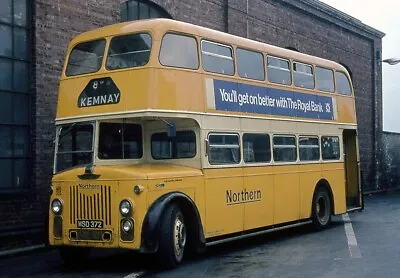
(360, 244)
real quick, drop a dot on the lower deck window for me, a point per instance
(183, 145)
(285, 149)
(224, 149)
(120, 141)
(330, 147)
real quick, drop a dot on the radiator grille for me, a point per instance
(90, 204)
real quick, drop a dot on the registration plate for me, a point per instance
(95, 224)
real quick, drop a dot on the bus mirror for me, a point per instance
(171, 130)
(207, 147)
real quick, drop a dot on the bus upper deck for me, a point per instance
(165, 65)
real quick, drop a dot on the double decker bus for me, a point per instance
(171, 137)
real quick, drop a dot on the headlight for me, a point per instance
(125, 207)
(127, 225)
(56, 206)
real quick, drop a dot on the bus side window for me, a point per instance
(303, 75)
(179, 51)
(278, 70)
(342, 84)
(250, 64)
(285, 149)
(224, 149)
(330, 147)
(217, 58)
(324, 78)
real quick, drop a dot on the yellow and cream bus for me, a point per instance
(171, 137)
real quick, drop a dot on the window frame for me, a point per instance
(254, 51)
(184, 35)
(232, 58)
(300, 72)
(319, 148)
(339, 145)
(316, 79)
(64, 72)
(210, 146)
(176, 158)
(279, 68)
(295, 147)
(348, 81)
(269, 144)
(109, 41)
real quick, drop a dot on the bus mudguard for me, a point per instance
(151, 223)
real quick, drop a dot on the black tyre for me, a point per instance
(74, 256)
(321, 208)
(173, 237)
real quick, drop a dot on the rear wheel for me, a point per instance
(173, 237)
(321, 208)
(74, 256)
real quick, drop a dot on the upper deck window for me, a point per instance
(324, 79)
(342, 84)
(278, 71)
(217, 58)
(303, 75)
(129, 51)
(86, 57)
(250, 64)
(179, 51)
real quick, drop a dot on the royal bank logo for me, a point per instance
(101, 91)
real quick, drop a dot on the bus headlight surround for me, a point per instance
(127, 225)
(56, 206)
(125, 207)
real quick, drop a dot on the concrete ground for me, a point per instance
(366, 244)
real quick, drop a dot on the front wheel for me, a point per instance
(173, 237)
(74, 256)
(321, 209)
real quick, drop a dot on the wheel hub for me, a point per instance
(179, 236)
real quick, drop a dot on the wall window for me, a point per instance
(308, 148)
(342, 84)
(224, 149)
(278, 70)
(285, 149)
(217, 58)
(250, 64)
(324, 78)
(256, 148)
(15, 106)
(120, 141)
(179, 51)
(141, 9)
(183, 145)
(129, 51)
(303, 75)
(330, 147)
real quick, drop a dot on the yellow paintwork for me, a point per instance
(280, 193)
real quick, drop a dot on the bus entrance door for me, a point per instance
(354, 199)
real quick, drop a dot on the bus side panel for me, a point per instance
(286, 193)
(177, 89)
(259, 186)
(334, 173)
(224, 202)
(310, 174)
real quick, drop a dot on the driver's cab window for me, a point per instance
(120, 141)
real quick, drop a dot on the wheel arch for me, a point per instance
(151, 223)
(325, 183)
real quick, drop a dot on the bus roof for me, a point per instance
(160, 26)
